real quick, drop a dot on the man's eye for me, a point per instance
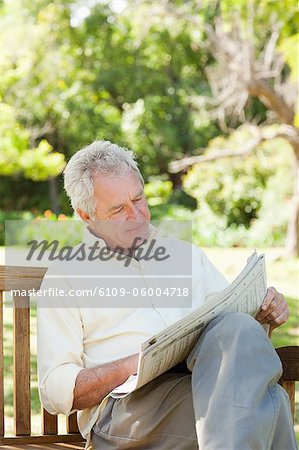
(118, 210)
(137, 199)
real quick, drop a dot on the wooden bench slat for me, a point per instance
(16, 277)
(71, 424)
(289, 386)
(49, 423)
(1, 368)
(41, 439)
(21, 366)
(47, 446)
(290, 362)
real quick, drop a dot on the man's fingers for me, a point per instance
(274, 310)
(270, 305)
(277, 317)
(273, 314)
(270, 295)
(280, 319)
(264, 313)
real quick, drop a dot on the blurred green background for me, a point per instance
(204, 92)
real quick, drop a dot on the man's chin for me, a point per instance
(135, 237)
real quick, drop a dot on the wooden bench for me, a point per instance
(26, 278)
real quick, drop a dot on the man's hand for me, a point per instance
(274, 310)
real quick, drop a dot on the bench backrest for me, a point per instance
(25, 278)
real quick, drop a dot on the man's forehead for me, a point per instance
(105, 181)
(115, 189)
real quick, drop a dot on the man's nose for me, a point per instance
(133, 213)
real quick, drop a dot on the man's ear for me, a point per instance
(84, 216)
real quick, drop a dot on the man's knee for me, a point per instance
(231, 331)
(240, 338)
(221, 332)
(241, 334)
(234, 324)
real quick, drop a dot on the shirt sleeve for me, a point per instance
(59, 347)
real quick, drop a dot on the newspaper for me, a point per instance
(172, 345)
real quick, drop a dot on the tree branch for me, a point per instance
(290, 133)
(178, 166)
(271, 99)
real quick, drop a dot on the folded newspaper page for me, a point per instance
(172, 345)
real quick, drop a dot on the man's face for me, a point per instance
(122, 213)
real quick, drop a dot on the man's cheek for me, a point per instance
(146, 213)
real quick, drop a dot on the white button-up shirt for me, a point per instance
(74, 333)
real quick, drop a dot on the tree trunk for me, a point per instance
(53, 195)
(177, 181)
(292, 240)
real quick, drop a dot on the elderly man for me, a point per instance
(228, 397)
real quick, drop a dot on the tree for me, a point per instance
(148, 80)
(243, 69)
(136, 77)
(26, 85)
(248, 62)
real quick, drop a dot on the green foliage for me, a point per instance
(14, 140)
(180, 197)
(231, 187)
(210, 230)
(41, 163)
(15, 215)
(21, 228)
(170, 211)
(157, 192)
(139, 81)
(290, 50)
(262, 12)
(220, 187)
(37, 163)
(68, 232)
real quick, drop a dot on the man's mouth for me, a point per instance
(136, 227)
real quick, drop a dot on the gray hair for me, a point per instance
(100, 157)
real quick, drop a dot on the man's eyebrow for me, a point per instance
(115, 207)
(139, 194)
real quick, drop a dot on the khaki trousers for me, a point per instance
(229, 399)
